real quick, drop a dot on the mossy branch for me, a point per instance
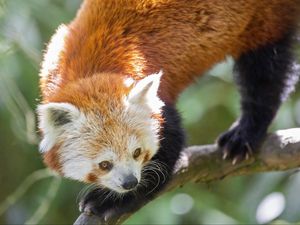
(280, 151)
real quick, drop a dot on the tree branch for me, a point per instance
(280, 151)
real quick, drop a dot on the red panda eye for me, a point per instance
(137, 152)
(105, 165)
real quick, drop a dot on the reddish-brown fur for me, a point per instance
(51, 158)
(182, 37)
(110, 39)
(91, 178)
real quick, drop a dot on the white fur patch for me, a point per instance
(133, 144)
(51, 131)
(105, 155)
(139, 117)
(128, 82)
(77, 167)
(55, 47)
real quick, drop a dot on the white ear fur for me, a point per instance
(145, 92)
(53, 120)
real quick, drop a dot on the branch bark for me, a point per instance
(280, 151)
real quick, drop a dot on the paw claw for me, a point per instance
(237, 144)
(88, 212)
(81, 207)
(225, 154)
(234, 161)
(237, 159)
(105, 218)
(85, 209)
(250, 151)
(247, 156)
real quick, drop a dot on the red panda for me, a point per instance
(110, 80)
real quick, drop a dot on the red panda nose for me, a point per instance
(130, 182)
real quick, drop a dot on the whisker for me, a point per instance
(83, 192)
(109, 194)
(156, 166)
(158, 182)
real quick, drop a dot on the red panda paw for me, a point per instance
(99, 205)
(238, 143)
(103, 205)
(96, 215)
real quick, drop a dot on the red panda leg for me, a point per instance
(265, 77)
(155, 175)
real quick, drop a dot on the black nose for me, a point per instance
(130, 182)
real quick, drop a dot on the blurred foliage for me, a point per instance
(208, 108)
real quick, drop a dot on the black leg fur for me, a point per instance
(265, 78)
(99, 202)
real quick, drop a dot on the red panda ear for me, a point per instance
(54, 118)
(145, 90)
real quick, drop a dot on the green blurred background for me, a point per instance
(30, 194)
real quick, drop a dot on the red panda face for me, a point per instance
(108, 142)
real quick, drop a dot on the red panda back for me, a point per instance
(183, 38)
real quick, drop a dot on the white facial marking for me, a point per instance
(105, 155)
(133, 144)
(77, 167)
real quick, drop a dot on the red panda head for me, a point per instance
(102, 129)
